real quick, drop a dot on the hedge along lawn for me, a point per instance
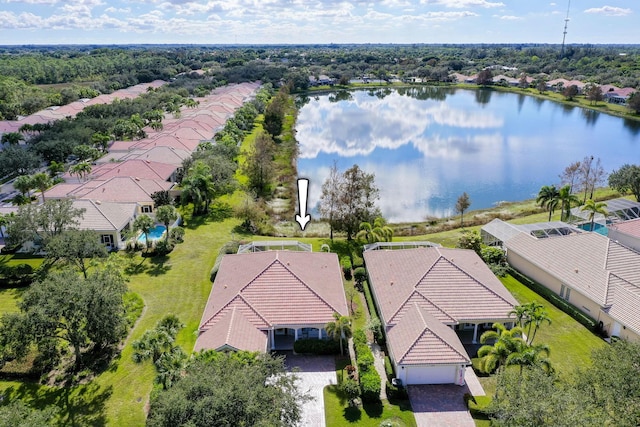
(571, 344)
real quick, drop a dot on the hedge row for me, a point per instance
(17, 275)
(370, 383)
(554, 299)
(316, 346)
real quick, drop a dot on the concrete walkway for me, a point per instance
(315, 373)
(378, 358)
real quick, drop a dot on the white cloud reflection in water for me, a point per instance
(427, 149)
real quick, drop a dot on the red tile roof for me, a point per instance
(276, 288)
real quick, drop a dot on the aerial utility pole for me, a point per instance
(564, 34)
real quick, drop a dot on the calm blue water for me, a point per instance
(597, 228)
(154, 234)
(429, 146)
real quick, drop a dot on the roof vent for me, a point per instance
(391, 283)
(576, 270)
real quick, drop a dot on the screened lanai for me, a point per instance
(497, 231)
(617, 210)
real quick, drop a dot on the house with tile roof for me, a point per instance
(597, 275)
(264, 301)
(626, 233)
(110, 221)
(425, 295)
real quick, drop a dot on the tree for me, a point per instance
(76, 247)
(197, 187)
(379, 232)
(470, 240)
(42, 182)
(594, 208)
(523, 83)
(506, 342)
(11, 138)
(339, 329)
(228, 390)
(462, 204)
(158, 341)
(18, 161)
(625, 179)
(274, 116)
(530, 356)
(166, 214)
(485, 77)
(144, 223)
(259, 164)
(570, 174)
(161, 198)
(40, 223)
(541, 86)
(548, 197)
(330, 198)
(593, 93)
(24, 184)
(17, 413)
(570, 92)
(81, 169)
(357, 194)
(590, 175)
(55, 168)
(80, 312)
(634, 102)
(566, 200)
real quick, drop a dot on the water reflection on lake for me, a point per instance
(427, 145)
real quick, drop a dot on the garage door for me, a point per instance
(431, 375)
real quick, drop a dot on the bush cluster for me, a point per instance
(345, 263)
(16, 275)
(316, 346)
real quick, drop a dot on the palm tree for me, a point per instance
(41, 181)
(566, 200)
(548, 197)
(537, 315)
(530, 356)
(81, 169)
(594, 208)
(197, 187)
(166, 214)
(507, 341)
(339, 329)
(24, 184)
(55, 168)
(144, 223)
(379, 232)
(12, 138)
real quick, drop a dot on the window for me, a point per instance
(566, 295)
(106, 239)
(565, 291)
(561, 291)
(146, 209)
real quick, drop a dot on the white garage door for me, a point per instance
(431, 375)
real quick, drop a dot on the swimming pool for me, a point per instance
(154, 234)
(598, 228)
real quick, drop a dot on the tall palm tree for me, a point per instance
(507, 341)
(144, 223)
(379, 232)
(566, 200)
(166, 214)
(536, 316)
(81, 169)
(548, 197)
(339, 329)
(197, 187)
(594, 208)
(41, 181)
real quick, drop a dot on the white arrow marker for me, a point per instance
(303, 192)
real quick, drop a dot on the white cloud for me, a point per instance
(609, 11)
(508, 17)
(460, 4)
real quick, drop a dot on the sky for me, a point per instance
(316, 22)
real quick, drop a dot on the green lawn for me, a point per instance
(9, 299)
(338, 413)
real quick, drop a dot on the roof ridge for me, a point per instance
(233, 313)
(229, 303)
(277, 260)
(416, 291)
(427, 328)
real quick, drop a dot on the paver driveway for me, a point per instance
(315, 373)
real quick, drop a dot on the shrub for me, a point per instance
(370, 386)
(359, 338)
(397, 393)
(351, 390)
(163, 247)
(177, 234)
(365, 360)
(347, 272)
(315, 346)
(360, 275)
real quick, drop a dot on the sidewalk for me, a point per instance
(378, 358)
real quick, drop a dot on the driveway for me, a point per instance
(442, 405)
(315, 373)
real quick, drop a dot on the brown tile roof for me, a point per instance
(632, 227)
(454, 285)
(235, 331)
(134, 167)
(421, 338)
(116, 189)
(276, 288)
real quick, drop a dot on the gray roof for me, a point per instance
(499, 230)
(105, 216)
(591, 264)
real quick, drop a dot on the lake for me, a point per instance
(428, 145)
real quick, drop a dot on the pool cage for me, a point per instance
(618, 210)
(497, 231)
(275, 245)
